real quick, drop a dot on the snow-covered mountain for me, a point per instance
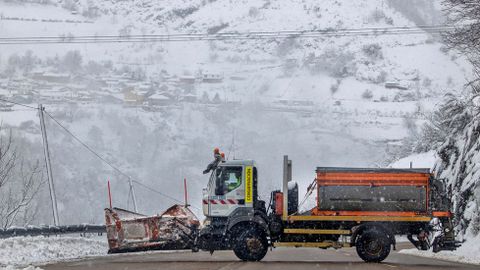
(322, 100)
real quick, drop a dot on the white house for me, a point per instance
(158, 99)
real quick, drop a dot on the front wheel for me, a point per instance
(373, 245)
(251, 245)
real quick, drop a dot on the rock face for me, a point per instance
(458, 165)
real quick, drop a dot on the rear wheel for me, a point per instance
(373, 245)
(250, 245)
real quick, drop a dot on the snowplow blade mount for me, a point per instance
(176, 228)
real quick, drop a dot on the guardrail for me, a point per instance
(51, 230)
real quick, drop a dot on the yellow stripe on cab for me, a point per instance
(248, 184)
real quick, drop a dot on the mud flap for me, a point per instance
(442, 243)
(444, 237)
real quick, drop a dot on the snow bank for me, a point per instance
(467, 253)
(470, 250)
(24, 251)
(11, 267)
(422, 160)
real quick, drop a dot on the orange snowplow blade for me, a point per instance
(129, 232)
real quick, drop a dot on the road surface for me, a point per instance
(278, 259)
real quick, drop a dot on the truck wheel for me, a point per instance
(251, 245)
(373, 245)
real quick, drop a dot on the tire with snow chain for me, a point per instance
(373, 245)
(250, 245)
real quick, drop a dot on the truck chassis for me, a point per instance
(249, 229)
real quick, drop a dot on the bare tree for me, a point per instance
(19, 184)
(7, 158)
(465, 37)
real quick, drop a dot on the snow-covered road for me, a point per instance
(73, 252)
(278, 259)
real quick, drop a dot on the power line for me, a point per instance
(253, 35)
(418, 27)
(106, 161)
(85, 145)
(79, 40)
(161, 193)
(94, 152)
(236, 33)
(19, 104)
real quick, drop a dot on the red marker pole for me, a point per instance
(109, 194)
(185, 191)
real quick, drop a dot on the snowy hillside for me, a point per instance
(421, 160)
(322, 100)
(458, 166)
(453, 134)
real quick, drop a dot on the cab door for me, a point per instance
(226, 192)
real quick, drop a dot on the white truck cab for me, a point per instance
(231, 186)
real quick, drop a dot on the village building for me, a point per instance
(54, 96)
(212, 78)
(188, 98)
(187, 79)
(158, 99)
(395, 85)
(52, 77)
(134, 97)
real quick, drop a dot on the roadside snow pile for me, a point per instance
(467, 253)
(23, 251)
(11, 267)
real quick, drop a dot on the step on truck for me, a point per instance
(355, 207)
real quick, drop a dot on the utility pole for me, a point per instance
(46, 152)
(233, 144)
(134, 199)
(286, 175)
(185, 191)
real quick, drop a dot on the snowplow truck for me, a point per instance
(355, 207)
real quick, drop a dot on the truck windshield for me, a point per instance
(227, 179)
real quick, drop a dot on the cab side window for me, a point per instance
(228, 179)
